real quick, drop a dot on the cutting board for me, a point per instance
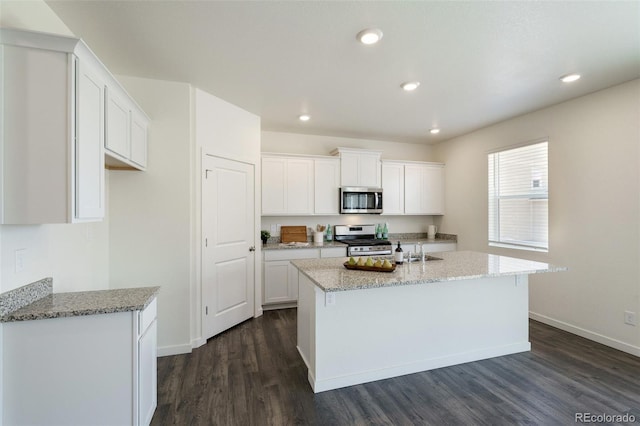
(291, 234)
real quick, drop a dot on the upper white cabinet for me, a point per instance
(89, 157)
(326, 186)
(126, 131)
(424, 189)
(359, 167)
(53, 130)
(412, 188)
(392, 187)
(55, 97)
(287, 185)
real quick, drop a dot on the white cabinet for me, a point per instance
(52, 138)
(81, 370)
(89, 164)
(139, 125)
(118, 134)
(424, 189)
(280, 277)
(392, 188)
(412, 188)
(126, 131)
(147, 373)
(359, 167)
(53, 130)
(333, 252)
(287, 186)
(326, 184)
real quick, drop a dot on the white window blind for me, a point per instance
(519, 197)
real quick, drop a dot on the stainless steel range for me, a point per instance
(361, 240)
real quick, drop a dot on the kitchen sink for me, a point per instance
(416, 258)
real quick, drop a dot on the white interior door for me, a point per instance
(228, 259)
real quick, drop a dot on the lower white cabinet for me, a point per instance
(94, 369)
(428, 247)
(280, 277)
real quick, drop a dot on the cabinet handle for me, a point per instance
(252, 248)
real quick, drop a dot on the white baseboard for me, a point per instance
(596, 337)
(196, 343)
(173, 350)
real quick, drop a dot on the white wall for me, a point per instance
(594, 208)
(224, 130)
(151, 212)
(295, 143)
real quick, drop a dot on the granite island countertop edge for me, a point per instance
(362, 280)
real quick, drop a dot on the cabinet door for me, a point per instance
(369, 170)
(299, 186)
(433, 190)
(326, 186)
(138, 139)
(274, 190)
(412, 189)
(393, 188)
(89, 157)
(117, 122)
(293, 282)
(276, 282)
(349, 169)
(147, 374)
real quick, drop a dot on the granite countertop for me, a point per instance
(310, 245)
(330, 274)
(403, 238)
(58, 305)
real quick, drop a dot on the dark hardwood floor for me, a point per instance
(253, 375)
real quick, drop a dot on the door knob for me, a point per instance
(252, 248)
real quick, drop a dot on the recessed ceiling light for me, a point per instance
(304, 117)
(410, 85)
(569, 78)
(434, 131)
(369, 36)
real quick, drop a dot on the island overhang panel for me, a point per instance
(351, 333)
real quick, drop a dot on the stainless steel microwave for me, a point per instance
(360, 200)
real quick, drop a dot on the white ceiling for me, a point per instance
(478, 62)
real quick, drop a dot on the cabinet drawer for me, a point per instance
(291, 254)
(146, 317)
(333, 252)
(440, 247)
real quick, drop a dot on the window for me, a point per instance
(519, 197)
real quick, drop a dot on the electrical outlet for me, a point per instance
(274, 230)
(330, 299)
(21, 254)
(630, 318)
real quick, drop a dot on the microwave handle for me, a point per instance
(376, 198)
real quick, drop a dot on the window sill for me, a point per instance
(519, 247)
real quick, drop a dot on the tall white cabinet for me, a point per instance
(54, 121)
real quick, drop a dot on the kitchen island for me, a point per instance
(358, 326)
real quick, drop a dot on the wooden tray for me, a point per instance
(293, 234)
(370, 268)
